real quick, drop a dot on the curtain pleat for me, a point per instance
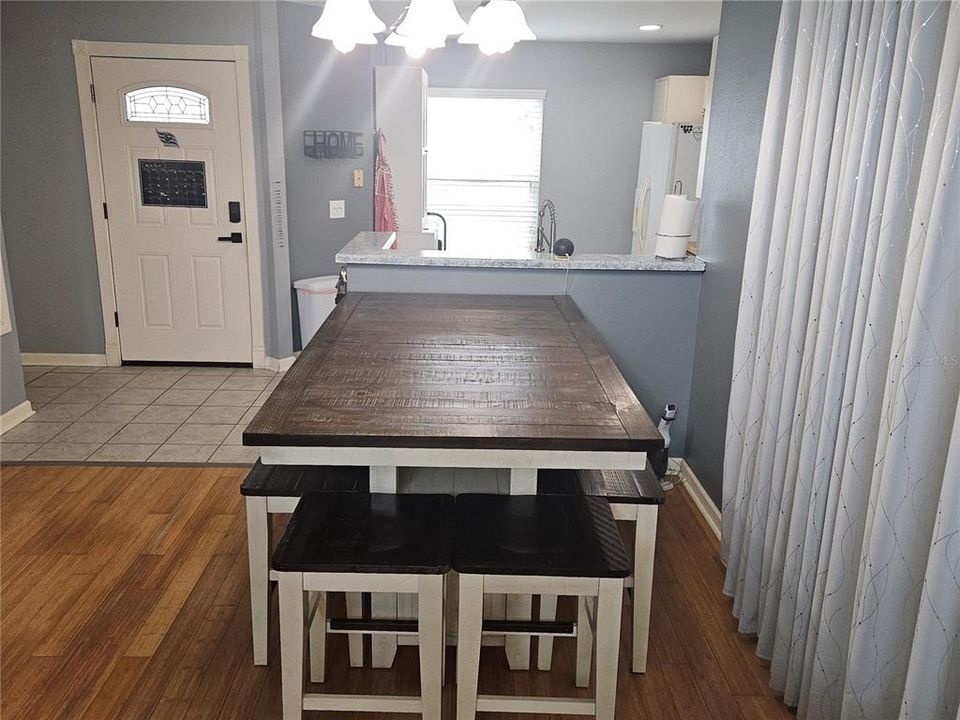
(847, 366)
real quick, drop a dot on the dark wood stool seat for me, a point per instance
(635, 487)
(542, 535)
(296, 480)
(361, 533)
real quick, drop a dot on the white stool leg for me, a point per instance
(519, 607)
(354, 603)
(258, 556)
(432, 644)
(291, 644)
(644, 543)
(317, 602)
(584, 643)
(469, 628)
(608, 609)
(548, 612)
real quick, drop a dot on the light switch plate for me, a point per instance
(337, 209)
(358, 178)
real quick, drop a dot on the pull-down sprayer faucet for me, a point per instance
(543, 241)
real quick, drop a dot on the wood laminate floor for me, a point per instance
(124, 595)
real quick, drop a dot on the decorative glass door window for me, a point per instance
(165, 104)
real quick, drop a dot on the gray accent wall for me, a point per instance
(45, 204)
(647, 320)
(744, 57)
(12, 391)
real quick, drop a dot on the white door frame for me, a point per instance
(83, 50)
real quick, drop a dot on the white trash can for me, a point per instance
(316, 298)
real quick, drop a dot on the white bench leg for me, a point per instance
(354, 603)
(548, 612)
(645, 539)
(469, 628)
(584, 643)
(432, 644)
(519, 607)
(258, 555)
(291, 644)
(317, 602)
(608, 609)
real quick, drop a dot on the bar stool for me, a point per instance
(548, 545)
(635, 496)
(350, 542)
(276, 489)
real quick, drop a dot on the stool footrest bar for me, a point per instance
(363, 703)
(529, 627)
(370, 626)
(538, 705)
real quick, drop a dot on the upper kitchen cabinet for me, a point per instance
(401, 114)
(679, 99)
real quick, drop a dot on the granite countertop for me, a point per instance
(413, 248)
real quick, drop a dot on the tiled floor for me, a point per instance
(152, 414)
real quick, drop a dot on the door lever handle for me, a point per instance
(231, 238)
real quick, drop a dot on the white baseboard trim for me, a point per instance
(15, 415)
(690, 483)
(71, 359)
(279, 364)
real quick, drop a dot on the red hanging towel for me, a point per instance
(384, 202)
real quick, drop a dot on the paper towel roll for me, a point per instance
(678, 215)
(672, 247)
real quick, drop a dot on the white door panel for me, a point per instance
(181, 284)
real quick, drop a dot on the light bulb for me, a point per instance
(344, 45)
(415, 50)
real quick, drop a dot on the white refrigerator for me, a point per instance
(669, 162)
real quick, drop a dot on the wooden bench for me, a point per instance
(274, 489)
(635, 496)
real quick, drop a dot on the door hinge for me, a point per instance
(93, 93)
(116, 319)
(105, 215)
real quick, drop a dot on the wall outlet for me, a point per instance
(358, 178)
(337, 209)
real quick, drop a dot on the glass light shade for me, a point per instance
(429, 18)
(348, 23)
(497, 26)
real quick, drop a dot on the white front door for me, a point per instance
(169, 133)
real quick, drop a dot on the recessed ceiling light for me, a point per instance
(650, 28)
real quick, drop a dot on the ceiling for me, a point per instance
(602, 20)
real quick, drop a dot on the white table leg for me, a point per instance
(469, 627)
(645, 539)
(383, 647)
(317, 603)
(523, 481)
(354, 602)
(383, 479)
(258, 555)
(291, 644)
(548, 612)
(608, 609)
(432, 644)
(584, 642)
(519, 607)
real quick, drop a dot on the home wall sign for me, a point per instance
(332, 144)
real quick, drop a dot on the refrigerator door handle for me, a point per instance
(641, 213)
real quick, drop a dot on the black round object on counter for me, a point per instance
(563, 247)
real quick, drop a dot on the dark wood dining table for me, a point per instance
(398, 380)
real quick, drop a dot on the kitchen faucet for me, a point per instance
(542, 239)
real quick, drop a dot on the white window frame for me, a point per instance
(498, 94)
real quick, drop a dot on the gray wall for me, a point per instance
(744, 56)
(12, 391)
(597, 96)
(647, 320)
(44, 197)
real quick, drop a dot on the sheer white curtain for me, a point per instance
(841, 508)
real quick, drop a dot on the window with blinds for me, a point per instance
(483, 167)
